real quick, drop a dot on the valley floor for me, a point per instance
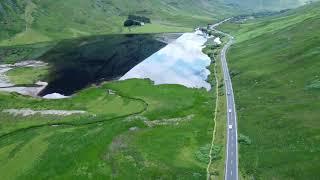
(114, 130)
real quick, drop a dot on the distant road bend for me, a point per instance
(231, 168)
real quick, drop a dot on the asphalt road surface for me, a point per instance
(231, 169)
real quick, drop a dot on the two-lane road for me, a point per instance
(231, 169)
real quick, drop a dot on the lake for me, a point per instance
(169, 58)
(78, 63)
(180, 62)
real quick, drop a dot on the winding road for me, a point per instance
(231, 164)
(231, 172)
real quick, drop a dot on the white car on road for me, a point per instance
(230, 126)
(230, 110)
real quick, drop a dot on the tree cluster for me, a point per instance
(134, 20)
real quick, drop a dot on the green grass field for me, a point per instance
(275, 68)
(27, 75)
(100, 144)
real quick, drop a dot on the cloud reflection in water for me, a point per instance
(181, 62)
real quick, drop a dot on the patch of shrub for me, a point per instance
(215, 173)
(139, 18)
(212, 46)
(314, 85)
(215, 34)
(234, 73)
(130, 22)
(204, 30)
(216, 151)
(243, 139)
(203, 153)
(210, 50)
(136, 21)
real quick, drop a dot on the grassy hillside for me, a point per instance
(30, 21)
(259, 5)
(42, 20)
(275, 68)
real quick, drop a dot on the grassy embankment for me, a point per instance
(275, 73)
(13, 54)
(216, 168)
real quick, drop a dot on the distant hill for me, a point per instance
(259, 5)
(42, 20)
(28, 21)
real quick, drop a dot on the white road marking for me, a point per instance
(231, 118)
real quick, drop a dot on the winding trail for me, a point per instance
(73, 124)
(215, 121)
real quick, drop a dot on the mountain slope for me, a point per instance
(275, 67)
(45, 19)
(28, 21)
(258, 5)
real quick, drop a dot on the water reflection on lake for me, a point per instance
(181, 62)
(77, 63)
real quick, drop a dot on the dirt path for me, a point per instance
(30, 112)
(72, 124)
(215, 121)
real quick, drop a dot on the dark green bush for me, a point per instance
(139, 18)
(244, 139)
(130, 22)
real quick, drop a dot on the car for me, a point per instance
(230, 126)
(228, 93)
(230, 110)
